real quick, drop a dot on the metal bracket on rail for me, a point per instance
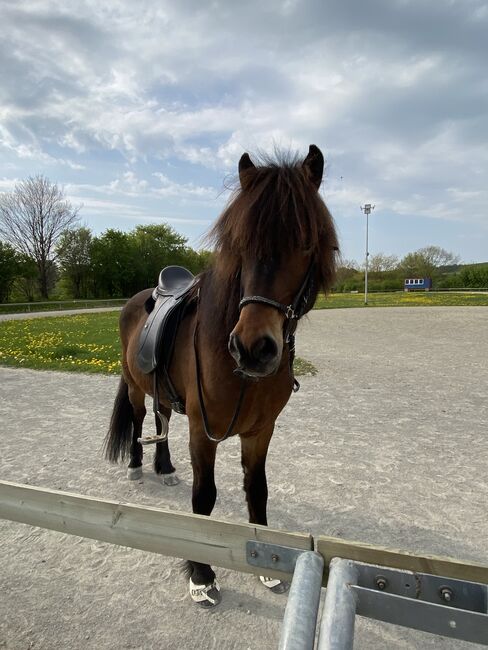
(272, 556)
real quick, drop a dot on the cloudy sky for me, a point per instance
(141, 109)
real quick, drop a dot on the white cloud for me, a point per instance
(113, 93)
(128, 184)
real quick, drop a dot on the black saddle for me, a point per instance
(157, 338)
(173, 281)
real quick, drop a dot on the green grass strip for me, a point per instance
(402, 299)
(90, 342)
(84, 343)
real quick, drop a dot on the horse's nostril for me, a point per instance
(265, 349)
(235, 347)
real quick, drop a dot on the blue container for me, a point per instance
(417, 284)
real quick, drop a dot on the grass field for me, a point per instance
(84, 343)
(403, 299)
(90, 343)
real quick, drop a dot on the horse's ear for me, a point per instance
(245, 165)
(314, 165)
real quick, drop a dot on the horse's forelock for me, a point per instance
(279, 211)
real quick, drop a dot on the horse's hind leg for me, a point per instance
(162, 457)
(136, 397)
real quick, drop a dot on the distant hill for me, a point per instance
(457, 268)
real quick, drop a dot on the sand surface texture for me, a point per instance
(388, 444)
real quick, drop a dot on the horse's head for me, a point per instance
(278, 240)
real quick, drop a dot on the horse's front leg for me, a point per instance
(254, 449)
(204, 589)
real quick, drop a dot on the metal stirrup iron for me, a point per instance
(152, 440)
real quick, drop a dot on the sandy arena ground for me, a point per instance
(387, 444)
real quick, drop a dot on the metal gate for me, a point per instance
(443, 606)
(438, 595)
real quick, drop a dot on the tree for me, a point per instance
(8, 269)
(113, 257)
(350, 265)
(347, 270)
(32, 218)
(157, 246)
(426, 261)
(74, 258)
(475, 275)
(438, 256)
(27, 278)
(380, 263)
(197, 261)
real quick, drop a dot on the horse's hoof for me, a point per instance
(205, 595)
(275, 585)
(134, 473)
(170, 479)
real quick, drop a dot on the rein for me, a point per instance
(292, 313)
(203, 410)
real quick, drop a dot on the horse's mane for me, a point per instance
(278, 210)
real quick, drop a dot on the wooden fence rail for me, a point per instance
(199, 538)
(189, 536)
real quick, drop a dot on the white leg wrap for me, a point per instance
(270, 582)
(200, 593)
(134, 473)
(170, 479)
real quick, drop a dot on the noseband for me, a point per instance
(293, 311)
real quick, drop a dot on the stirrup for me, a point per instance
(152, 440)
(205, 595)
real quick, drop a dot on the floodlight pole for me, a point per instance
(366, 208)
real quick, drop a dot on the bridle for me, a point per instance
(292, 313)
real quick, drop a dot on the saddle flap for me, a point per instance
(147, 355)
(157, 337)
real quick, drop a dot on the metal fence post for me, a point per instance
(299, 623)
(338, 617)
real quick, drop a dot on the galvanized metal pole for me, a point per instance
(366, 208)
(367, 256)
(299, 623)
(338, 617)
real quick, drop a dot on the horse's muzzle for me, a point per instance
(260, 360)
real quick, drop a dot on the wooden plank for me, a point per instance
(188, 536)
(198, 538)
(330, 547)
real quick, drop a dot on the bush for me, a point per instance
(475, 276)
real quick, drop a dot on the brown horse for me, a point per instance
(232, 366)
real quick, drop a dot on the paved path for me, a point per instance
(387, 444)
(62, 312)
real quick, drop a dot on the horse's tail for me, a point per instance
(119, 437)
